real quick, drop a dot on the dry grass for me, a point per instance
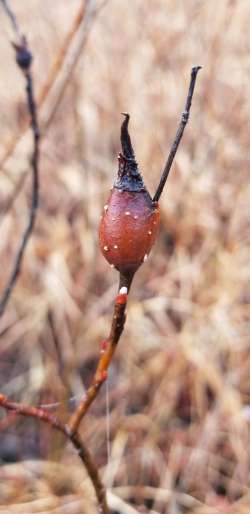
(179, 385)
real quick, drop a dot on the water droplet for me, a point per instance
(145, 257)
(127, 213)
(115, 247)
(149, 232)
(106, 207)
(136, 217)
(105, 248)
(112, 265)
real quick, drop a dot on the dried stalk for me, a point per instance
(82, 24)
(63, 78)
(108, 348)
(179, 134)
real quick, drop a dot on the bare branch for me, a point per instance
(109, 346)
(32, 412)
(179, 134)
(78, 43)
(24, 60)
(107, 350)
(92, 470)
(82, 451)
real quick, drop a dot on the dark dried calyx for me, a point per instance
(23, 55)
(129, 177)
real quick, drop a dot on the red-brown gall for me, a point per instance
(130, 221)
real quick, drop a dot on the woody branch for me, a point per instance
(82, 451)
(108, 346)
(107, 351)
(24, 60)
(179, 134)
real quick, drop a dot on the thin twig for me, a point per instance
(108, 348)
(32, 412)
(118, 322)
(179, 134)
(24, 60)
(82, 451)
(12, 18)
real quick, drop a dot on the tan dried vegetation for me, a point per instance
(179, 384)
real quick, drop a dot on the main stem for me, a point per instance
(106, 354)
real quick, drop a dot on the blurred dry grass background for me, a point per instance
(179, 384)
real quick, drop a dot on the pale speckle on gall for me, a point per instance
(123, 290)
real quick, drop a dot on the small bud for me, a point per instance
(121, 299)
(103, 346)
(24, 58)
(103, 375)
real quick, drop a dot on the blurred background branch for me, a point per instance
(24, 60)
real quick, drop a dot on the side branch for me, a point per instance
(24, 60)
(32, 412)
(108, 348)
(82, 451)
(179, 134)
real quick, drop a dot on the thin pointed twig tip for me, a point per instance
(127, 117)
(195, 69)
(179, 133)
